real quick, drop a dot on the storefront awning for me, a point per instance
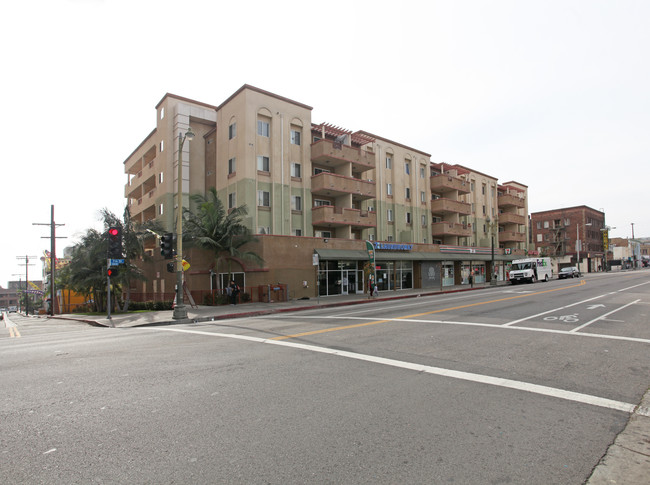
(360, 254)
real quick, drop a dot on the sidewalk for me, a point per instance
(221, 312)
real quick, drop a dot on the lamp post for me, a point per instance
(180, 312)
(491, 225)
(578, 244)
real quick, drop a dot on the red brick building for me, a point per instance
(555, 232)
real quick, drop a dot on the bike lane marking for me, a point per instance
(603, 316)
(439, 371)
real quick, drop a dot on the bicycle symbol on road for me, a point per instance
(564, 318)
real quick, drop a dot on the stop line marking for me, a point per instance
(466, 376)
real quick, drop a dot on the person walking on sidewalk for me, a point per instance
(233, 292)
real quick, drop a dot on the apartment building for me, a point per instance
(573, 235)
(317, 190)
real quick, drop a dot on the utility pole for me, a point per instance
(52, 238)
(26, 264)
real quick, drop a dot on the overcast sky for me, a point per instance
(552, 94)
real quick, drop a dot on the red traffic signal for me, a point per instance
(115, 243)
(112, 271)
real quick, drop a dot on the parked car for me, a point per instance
(569, 272)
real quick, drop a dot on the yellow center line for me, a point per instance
(469, 305)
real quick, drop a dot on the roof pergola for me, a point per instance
(327, 129)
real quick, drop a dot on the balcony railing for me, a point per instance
(505, 218)
(332, 184)
(441, 184)
(448, 206)
(505, 200)
(328, 153)
(511, 236)
(330, 216)
(450, 229)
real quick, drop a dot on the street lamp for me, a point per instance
(578, 244)
(180, 313)
(491, 225)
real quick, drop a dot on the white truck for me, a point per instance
(530, 270)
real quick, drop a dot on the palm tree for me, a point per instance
(211, 227)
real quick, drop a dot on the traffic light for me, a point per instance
(171, 267)
(115, 243)
(112, 271)
(167, 245)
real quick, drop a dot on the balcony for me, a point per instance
(325, 152)
(333, 216)
(442, 184)
(450, 229)
(511, 236)
(333, 185)
(509, 200)
(448, 206)
(511, 218)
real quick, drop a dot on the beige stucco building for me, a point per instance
(315, 192)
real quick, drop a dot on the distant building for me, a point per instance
(319, 189)
(568, 233)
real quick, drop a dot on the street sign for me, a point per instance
(115, 262)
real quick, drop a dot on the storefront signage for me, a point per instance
(393, 246)
(464, 250)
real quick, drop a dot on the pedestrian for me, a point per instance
(234, 292)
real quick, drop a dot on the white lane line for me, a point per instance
(466, 376)
(603, 316)
(476, 324)
(514, 322)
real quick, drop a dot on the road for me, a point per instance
(519, 384)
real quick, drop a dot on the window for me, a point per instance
(160, 178)
(232, 200)
(263, 198)
(539, 224)
(264, 230)
(321, 202)
(389, 239)
(263, 128)
(407, 193)
(162, 112)
(296, 203)
(389, 161)
(484, 210)
(232, 168)
(162, 145)
(389, 215)
(371, 208)
(423, 196)
(545, 224)
(422, 172)
(567, 221)
(295, 170)
(407, 168)
(371, 237)
(160, 209)
(318, 170)
(263, 163)
(423, 220)
(295, 137)
(539, 238)
(389, 189)
(408, 217)
(297, 232)
(232, 131)
(323, 234)
(483, 189)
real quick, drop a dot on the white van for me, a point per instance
(531, 270)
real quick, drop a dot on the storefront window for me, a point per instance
(447, 273)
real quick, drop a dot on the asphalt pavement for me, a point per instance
(627, 461)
